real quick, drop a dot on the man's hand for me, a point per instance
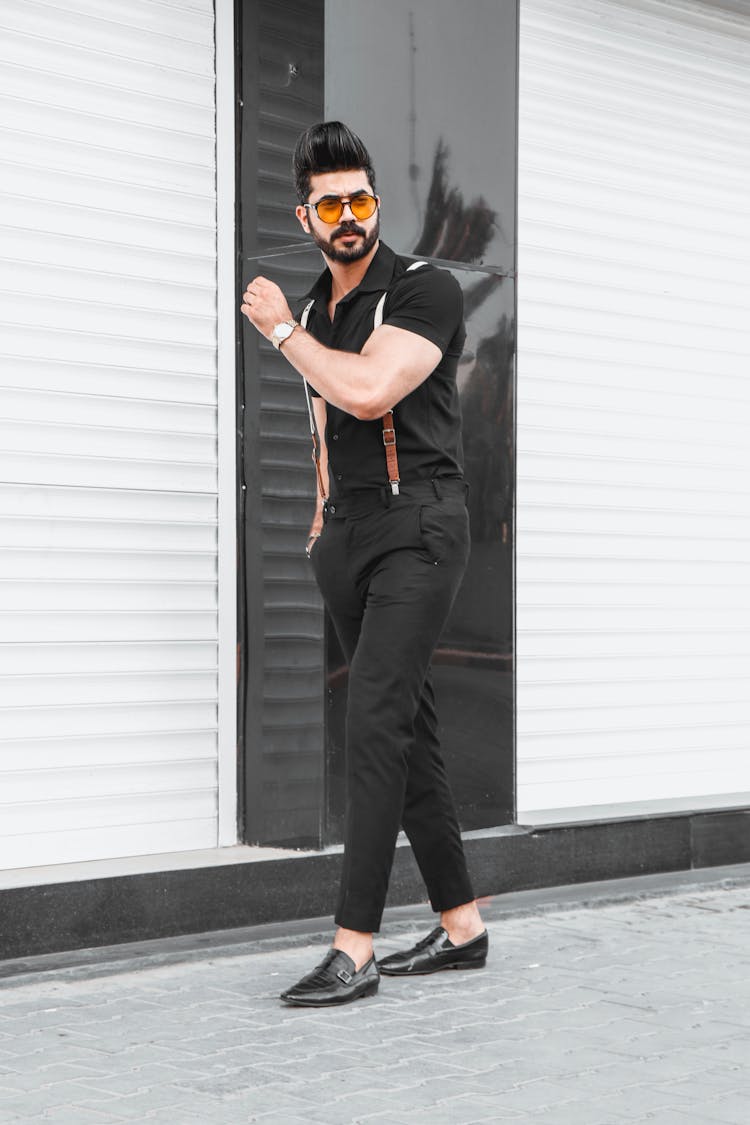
(265, 305)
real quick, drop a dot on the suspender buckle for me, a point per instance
(389, 440)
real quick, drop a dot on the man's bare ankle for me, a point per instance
(356, 943)
(462, 923)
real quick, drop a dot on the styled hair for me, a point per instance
(329, 146)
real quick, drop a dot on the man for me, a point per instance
(388, 544)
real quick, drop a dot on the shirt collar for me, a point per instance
(377, 279)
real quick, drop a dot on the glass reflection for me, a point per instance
(431, 88)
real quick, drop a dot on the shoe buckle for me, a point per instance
(343, 975)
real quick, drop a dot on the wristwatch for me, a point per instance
(282, 332)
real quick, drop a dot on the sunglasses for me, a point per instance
(330, 210)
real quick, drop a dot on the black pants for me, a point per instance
(389, 569)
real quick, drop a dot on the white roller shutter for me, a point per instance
(633, 406)
(108, 429)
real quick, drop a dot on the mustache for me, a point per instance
(348, 228)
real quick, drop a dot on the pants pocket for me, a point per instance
(444, 531)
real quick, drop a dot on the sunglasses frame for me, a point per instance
(343, 203)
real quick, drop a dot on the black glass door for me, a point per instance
(431, 87)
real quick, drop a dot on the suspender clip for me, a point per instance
(394, 487)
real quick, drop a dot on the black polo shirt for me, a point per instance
(427, 301)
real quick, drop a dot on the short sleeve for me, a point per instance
(429, 302)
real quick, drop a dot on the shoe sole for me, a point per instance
(428, 972)
(367, 992)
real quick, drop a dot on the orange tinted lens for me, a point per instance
(363, 206)
(330, 210)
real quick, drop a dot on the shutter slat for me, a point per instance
(36, 373)
(95, 687)
(48, 407)
(50, 659)
(17, 596)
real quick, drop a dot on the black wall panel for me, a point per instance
(282, 642)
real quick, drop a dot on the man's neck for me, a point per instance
(347, 275)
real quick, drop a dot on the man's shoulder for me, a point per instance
(411, 263)
(428, 301)
(414, 276)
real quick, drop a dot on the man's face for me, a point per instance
(348, 239)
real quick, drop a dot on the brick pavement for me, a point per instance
(621, 1011)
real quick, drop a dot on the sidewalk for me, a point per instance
(594, 1009)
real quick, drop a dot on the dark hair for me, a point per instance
(329, 146)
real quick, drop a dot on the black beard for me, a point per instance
(348, 253)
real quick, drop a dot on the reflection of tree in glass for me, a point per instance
(451, 229)
(487, 407)
(458, 232)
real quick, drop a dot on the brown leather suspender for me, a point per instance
(389, 431)
(391, 459)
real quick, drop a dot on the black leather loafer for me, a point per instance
(334, 981)
(435, 953)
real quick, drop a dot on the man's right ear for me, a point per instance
(301, 213)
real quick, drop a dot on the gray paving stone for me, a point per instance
(477, 1107)
(709, 1083)
(75, 1115)
(593, 1111)
(731, 1108)
(530, 1097)
(467, 1114)
(356, 1107)
(273, 1119)
(215, 1115)
(674, 1117)
(136, 1107)
(380, 1118)
(29, 1102)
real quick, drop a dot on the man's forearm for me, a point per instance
(345, 379)
(316, 527)
(392, 363)
(317, 522)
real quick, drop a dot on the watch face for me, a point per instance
(282, 332)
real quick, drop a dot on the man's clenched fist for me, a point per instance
(265, 305)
